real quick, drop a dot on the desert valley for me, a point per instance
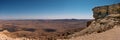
(59, 20)
(42, 29)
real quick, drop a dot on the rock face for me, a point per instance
(106, 17)
(104, 11)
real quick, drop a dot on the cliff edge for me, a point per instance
(106, 18)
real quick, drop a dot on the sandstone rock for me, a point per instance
(100, 12)
(89, 22)
(106, 18)
(103, 11)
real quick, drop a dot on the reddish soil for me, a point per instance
(42, 29)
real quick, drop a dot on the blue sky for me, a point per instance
(50, 9)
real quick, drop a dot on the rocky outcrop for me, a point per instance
(104, 11)
(106, 17)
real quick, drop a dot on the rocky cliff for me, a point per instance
(106, 17)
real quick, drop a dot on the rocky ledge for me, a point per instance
(106, 17)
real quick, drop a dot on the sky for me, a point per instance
(50, 9)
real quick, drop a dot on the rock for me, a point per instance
(89, 22)
(106, 18)
(103, 11)
(100, 12)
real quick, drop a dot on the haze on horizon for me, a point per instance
(50, 9)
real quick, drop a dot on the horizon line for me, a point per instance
(48, 19)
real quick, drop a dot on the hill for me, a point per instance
(112, 34)
(106, 18)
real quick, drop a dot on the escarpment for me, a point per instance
(106, 17)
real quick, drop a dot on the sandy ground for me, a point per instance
(112, 34)
(4, 37)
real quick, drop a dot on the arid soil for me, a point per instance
(112, 34)
(5, 37)
(41, 29)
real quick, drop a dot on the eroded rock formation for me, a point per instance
(106, 17)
